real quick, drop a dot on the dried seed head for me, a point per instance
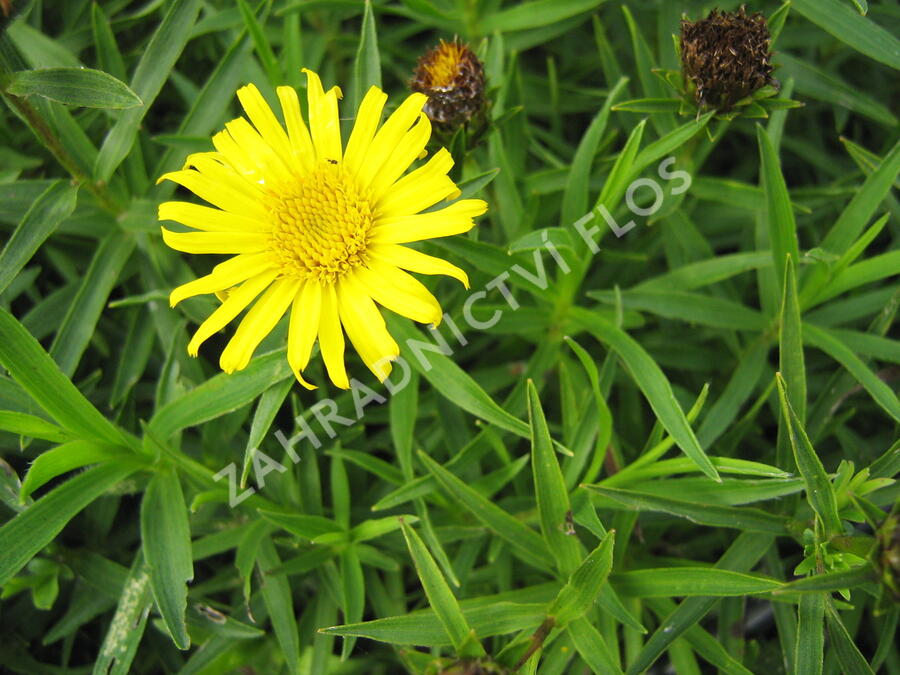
(726, 56)
(453, 79)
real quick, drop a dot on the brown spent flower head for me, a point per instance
(726, 56)
(452, 78)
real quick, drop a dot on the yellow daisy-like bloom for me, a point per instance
(317, 228)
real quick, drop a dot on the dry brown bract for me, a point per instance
(726, 57)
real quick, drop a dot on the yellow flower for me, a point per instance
(317, 228)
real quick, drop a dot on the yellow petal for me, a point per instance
(259, 322)
(210, 220)
(399, 292)
(453, 219)
(224, 275)
(389, 136)
(271, 167)
(415, 261)
(215, 242)
(323, 118)
(217, 194)
(301, 144)
(265, 121)
(303, 328)
(236, 157)
(331, 338)
(365, 327)
(419, 189)
(409, 147)
(367, 118)
(237, 300)
(211, 165)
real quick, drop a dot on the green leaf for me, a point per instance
(166, 539)
(592, 647)
(790, 344)
(36, 372)
(649, 105)
(713, 515)
(108, 54)
(84, 87)
(527, 544)
(652, 382)
(279, 601)
(829, 342)
(694, 308)
(706, 272)
(779, 214)
(550, 489)
(62, 459)
(847, 25)
(668, 582)
(261, 44)
(809, 657)
(851, 659)
(536, 14)
(23, 424)
(53, 206)
(576, 193)
(32, 529)
(819, 490)
(80, 321)
(440, 597)
(367, 66)
(128, 623)
(577, 597)
(425, 629)
(157, 61)
(220, 395)
(427, 357)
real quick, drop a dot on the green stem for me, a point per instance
(49, 139)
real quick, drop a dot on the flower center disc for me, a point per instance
(321, 225)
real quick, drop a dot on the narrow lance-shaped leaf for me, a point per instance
(819, 490)
(367, 66)
(652, 382)
(441, 598)
(36, 372)
(779, 214)
(809, 657)
(580, 592)
(166, 538)
(84, 87)
(550, 489)
(52, 207)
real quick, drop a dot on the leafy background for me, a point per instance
(544, 497)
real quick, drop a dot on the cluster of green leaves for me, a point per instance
(678, 451)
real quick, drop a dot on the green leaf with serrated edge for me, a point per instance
(40, 377)
(441, 598)
(166, 540)
(526, 543)
(83, 87)
(48, 210)
(32, 529)
(819, 490)
(580, 592)
(550, 489)
(652, 383)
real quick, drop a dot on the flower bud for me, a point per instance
(453, 79)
